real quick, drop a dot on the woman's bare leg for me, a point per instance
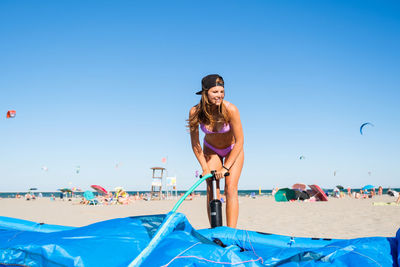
(231, 191)
(214, 163)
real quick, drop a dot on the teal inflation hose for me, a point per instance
(190, 191)
(164, 230)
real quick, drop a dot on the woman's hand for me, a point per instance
(205, 172)
(220, 174)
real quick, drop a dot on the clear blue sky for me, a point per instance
(96, 83)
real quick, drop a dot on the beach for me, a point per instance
(337, 218)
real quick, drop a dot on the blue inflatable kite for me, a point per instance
(170, 240)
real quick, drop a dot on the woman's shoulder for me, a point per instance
(193, 109)
(230, 107)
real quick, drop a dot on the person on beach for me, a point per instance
(223, 142)
(380, 191)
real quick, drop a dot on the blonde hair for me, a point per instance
(203, 113)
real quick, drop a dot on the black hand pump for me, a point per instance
(215, 203)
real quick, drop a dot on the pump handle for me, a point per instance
(213, 173)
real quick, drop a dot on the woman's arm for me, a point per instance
(237, 129)
(196, 146)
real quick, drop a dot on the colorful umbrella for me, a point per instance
(65, 190)
(368, 187)
(318, 193)
(99, 189)
(299, 186)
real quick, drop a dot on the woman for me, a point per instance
(223, 141)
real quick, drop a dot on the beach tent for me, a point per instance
(170, 240)
(284, 195)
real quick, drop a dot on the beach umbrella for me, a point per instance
(318, 193)
(339, 187)
(284, 195)
(301, 195)
(299, 186)
(368, 187)
(65, 190)
(99, 189)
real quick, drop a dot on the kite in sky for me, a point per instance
(363, 125)
(11, 114)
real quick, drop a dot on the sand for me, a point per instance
(337, 218)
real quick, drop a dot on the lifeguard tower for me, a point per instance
(171, 188)
(156, 183)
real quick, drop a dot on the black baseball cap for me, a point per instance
(210, 81)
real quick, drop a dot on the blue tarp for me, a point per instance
(123, 242)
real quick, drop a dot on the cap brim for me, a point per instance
(199, 92)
